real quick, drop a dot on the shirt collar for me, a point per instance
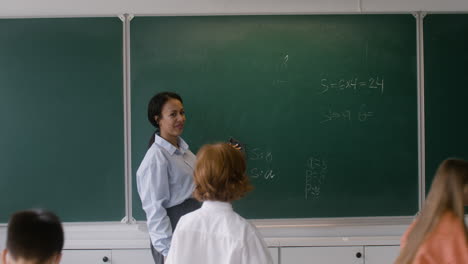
(183, 146)
(216, 205)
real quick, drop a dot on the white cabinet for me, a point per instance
(274, 252)
(280, 255)
(132, 256)
(322, 255)
(381, 254)
(86, 257)
(120, 256)
(115, 256)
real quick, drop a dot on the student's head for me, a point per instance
(449, 192)
(166, 114)
(34, 237)
(220, 174)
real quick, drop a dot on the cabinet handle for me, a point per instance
(105, 259)
(358, 255)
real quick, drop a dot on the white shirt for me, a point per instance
(164, 179)
(215, 234)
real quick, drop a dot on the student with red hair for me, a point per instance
(215, 234)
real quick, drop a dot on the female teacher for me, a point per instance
(164, 178)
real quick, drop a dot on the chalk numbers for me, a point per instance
(263, 160)
(315, 175)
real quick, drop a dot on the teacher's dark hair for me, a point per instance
(35, 235)
(155, 106)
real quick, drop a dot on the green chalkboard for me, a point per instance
(327, 105)
(61, 141)
(446, 93)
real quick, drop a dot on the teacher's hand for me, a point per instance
(236, 146)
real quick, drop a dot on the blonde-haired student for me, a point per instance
(215, 234)
(439, 234)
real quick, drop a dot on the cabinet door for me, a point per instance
(132, 256)
(274, 254)
(322, 255)
(86, 257)
(381, 254)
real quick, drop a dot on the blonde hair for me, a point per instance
(446, 194)
(220, 174)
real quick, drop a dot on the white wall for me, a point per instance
(40, 8)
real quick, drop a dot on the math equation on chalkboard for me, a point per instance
(361, 114)
(315, 176)
(355, 84)
(354, 87)
(261, 160)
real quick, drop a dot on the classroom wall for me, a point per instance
(15, 8)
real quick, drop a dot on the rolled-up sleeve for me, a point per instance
(153, 188)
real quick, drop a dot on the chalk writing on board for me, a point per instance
(264, 174)
(355, 84)
(262, 160)
(315, 174)
(363, 114)
(279, 82)
(259, 154)
(282, 67)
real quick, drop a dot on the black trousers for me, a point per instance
(175, 213)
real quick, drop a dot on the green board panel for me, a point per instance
(61, 142)
(327, 105)
(446, 93)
